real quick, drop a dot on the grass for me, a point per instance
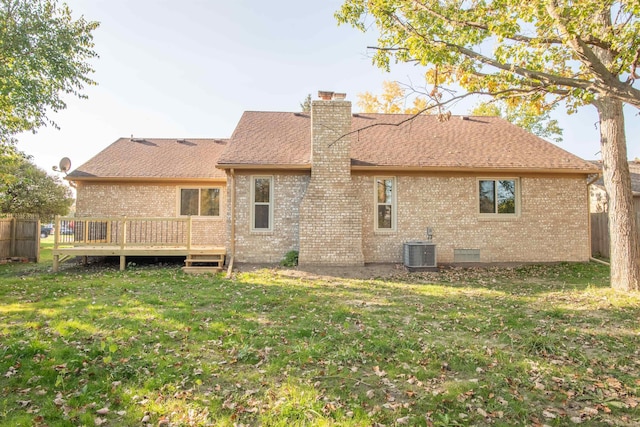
(534, 345)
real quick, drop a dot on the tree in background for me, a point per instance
(44, 54)
(392, 101)
(28, 189)
(305, 105)
(538, 53)
(526, 116)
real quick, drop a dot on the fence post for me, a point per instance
(14, 236)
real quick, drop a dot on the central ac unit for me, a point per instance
(419, 254)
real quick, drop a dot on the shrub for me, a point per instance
(290, 259)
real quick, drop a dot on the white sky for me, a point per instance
(189, 68)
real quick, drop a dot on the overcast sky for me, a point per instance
(189, 68)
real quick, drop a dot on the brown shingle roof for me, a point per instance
(270, 138)
(279, 139)
(155, 158)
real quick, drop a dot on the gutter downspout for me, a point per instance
(232, 237)
(591, 181)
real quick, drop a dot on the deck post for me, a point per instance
(189, 230)
(56, 232)
(56, 240)
(123, 236)
(123, 232)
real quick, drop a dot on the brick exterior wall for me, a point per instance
(552, 225)
(149, 200)
(267, 246)
(330, 213)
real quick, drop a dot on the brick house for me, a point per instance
(348, 189)
(156, 178)
(600, 200)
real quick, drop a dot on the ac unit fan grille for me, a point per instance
(419, 254)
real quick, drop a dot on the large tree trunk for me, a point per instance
(625, 266)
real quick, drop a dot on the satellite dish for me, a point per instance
(65, 164)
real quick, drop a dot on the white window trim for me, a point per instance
(394, 205)
(499, 216)
(253, 203)
(200, 188)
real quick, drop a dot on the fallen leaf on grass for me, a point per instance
(378, 372)
(103, 411)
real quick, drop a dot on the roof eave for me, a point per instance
(141, 179)
(293, 166)
(473, 169)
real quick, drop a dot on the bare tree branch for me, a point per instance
(439, 105)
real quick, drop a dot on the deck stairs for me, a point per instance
(210, 262)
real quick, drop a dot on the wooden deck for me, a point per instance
(140, 237)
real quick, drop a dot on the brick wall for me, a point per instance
(149, 200)
(267, 246)
(330, 212)
(552, 225)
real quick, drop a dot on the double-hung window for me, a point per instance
(385, 203)
(200, 201)
(262, 203)
(498, 197)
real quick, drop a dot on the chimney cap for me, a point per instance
(325, 95)
(339, 96)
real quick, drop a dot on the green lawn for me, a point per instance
(530, 346)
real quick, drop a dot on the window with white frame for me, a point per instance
(200, 201)
(385, 196)
(262, 203)
(498, 196)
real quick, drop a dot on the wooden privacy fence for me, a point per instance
(20, 238)
(600, 233)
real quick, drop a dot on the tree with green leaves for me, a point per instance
(44, 55)
(392, 100)
(526, 116)
(28, 189)
(305, 105)
(538, 53)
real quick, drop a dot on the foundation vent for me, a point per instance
(466, 255)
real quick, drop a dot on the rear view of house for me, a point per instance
(349, 189)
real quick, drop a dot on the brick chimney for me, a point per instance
(330, 212)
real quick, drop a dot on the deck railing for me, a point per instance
(123, 231)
